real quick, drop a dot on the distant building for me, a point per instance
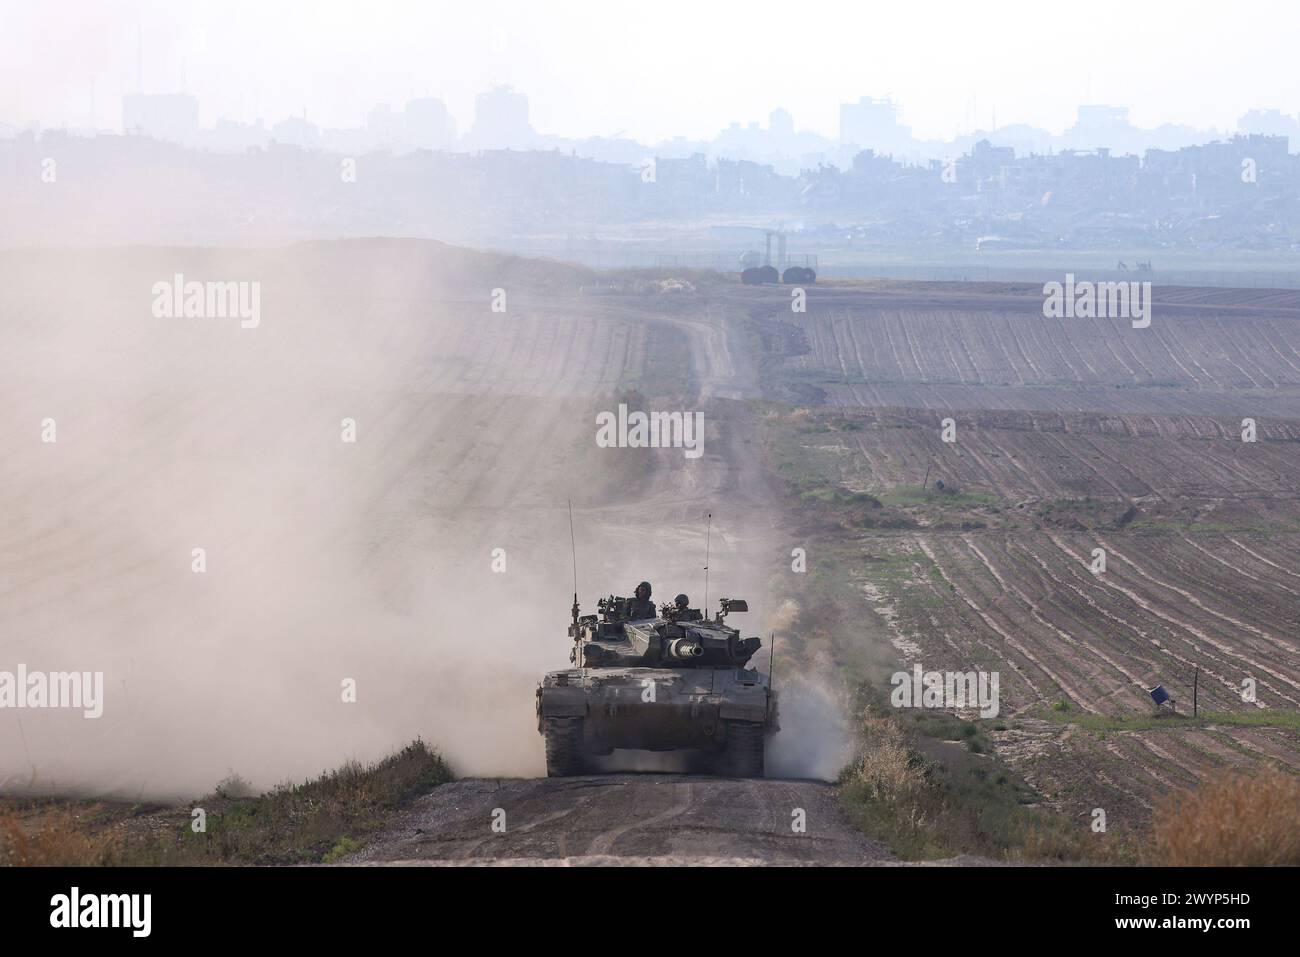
(874, 123)
(233, 136)
(384, 126)
(501, 120)
(986, 163)
(684, 176)
(1271, 123)
(296, 131)
(173, 117)
(1103, 126)
(423, 124)
(780, 122)
(430, 126)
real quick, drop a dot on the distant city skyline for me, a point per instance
(71, 63)
(113, 118)
(502, 120)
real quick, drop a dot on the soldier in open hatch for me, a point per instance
(641, 606)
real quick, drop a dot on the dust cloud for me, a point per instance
(324, 561)
(815, 740)
(327, 564)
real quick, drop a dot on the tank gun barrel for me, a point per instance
(684, 649)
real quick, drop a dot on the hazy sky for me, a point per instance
(655, 68)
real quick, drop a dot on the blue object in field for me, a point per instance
(1159, 695)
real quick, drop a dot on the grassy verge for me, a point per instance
(1266, 718)
(904, 495)
(318, 821)
(813, 457)
(928, 785)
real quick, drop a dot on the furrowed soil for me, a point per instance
(426, 563)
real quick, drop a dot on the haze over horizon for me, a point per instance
(70, 63)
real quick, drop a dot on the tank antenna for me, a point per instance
(707, 530)
(573, 544)
(771, 672)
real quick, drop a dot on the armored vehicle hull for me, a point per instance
(594, 711)
(676, 683)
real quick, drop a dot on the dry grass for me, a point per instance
(956, 799)
(55, 839)
(318, 820)
(886, 766)
(1231, 821)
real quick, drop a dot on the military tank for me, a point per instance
(674, 682)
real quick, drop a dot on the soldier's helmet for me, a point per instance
(681, 601)
(646, 587)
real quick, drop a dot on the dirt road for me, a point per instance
(624, 819)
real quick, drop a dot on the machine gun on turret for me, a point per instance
(728, 605)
